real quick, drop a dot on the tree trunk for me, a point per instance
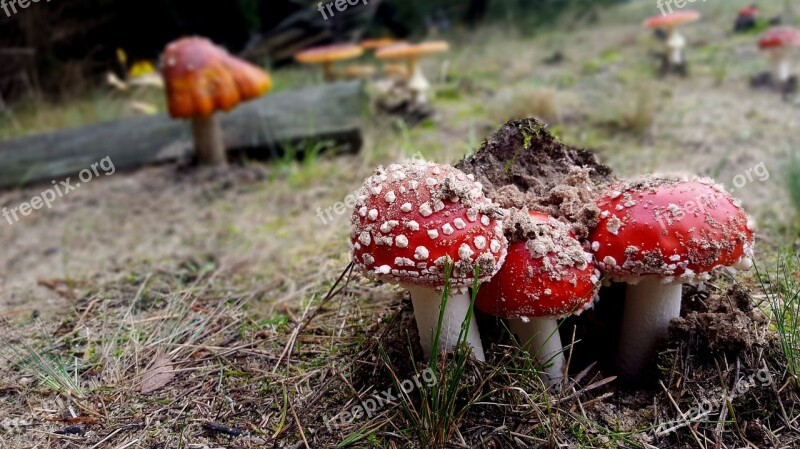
(330, 113)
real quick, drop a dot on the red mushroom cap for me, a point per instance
(779, 37)
(410, 219)
(202, 78)
(671, 20)
(548, 275)
(670, 228)
(748, 11)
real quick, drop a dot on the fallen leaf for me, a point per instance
(159, 375)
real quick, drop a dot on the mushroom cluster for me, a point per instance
(418, 221)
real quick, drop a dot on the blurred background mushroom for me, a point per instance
(328, 55)
(674, 58)
(418, 84)
(778, 43)
(202, 78)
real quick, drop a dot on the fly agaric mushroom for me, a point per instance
(777, 41)
(202, 78)
(411, 53)
(328, 55)
(675, 42)
(546, 277)
(411, 221)
(655, 235)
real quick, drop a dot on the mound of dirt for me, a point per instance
(728, 325)
(523, 165)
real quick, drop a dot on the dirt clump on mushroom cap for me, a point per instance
(523, 165)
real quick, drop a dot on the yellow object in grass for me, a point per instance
(141, 68)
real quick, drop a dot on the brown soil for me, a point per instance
(523, 165)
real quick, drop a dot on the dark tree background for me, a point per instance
(64, 46)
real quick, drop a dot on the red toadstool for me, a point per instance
(202, 78)
(546, 277)
(657, 234)
(778, 41)
(410, 222)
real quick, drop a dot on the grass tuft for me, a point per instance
(526, 102)
(782, 289)
(793, 183)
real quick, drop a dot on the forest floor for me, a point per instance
(221, 291)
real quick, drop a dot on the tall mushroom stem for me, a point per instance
(780, 64)
(675, 45)
(426, 311)
(208, 141)
(649, 307)
(541, 338)
(330, 74)
(417, 83)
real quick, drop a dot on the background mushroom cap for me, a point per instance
(671, 20)
(329, 53)
(778, 37)
(375, 44)
(411, 218)
(406, 50)
(672, 229)
(549, 275)
(202, 78)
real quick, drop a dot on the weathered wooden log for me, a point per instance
(331, 113)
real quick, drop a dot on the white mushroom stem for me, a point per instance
(649, 307)
(780, 64)
(418, 84)
(426, 311)
(675, 45)
(208, 142)
(540, 337)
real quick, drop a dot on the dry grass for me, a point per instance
(515, 104)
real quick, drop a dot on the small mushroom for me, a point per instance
(778, 42)
(414, 220)
(545, 277)
(328, 55)
(656, 235)
(675, 42)
(202, 78)
(411, 53)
